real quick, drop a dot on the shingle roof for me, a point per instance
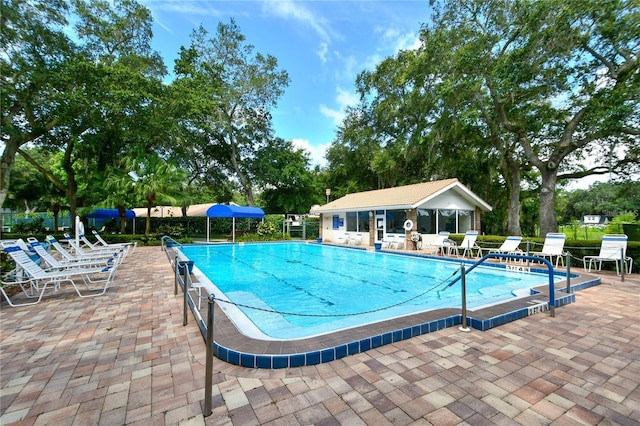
(408, 196)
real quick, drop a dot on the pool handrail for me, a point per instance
(552, 298)
(167, 238)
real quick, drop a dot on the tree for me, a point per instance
(562, 79)
(231, 91)
(33, 52)
(282, 172)
(152, 180)
(91, 100)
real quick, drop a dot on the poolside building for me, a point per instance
(428, 208)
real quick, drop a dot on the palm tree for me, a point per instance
(153, 180)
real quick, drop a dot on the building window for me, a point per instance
(426, 221)
(363, 222)
(395, 221)
(447, 221)
(465, 221)
(352, 222)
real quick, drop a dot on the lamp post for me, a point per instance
(328, 193)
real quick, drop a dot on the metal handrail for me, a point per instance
(552, 299)
(167, 238)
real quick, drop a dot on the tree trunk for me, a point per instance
(246, 185)
(548, 221)
(147, 227)
(6, 164)
(72, 185)
(511, 174)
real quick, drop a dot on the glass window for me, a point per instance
(465, 221)
(363, 222)
(395, 221)
(447, 221)
(352, 222)
(426, 221)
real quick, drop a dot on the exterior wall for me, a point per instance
(412, 215)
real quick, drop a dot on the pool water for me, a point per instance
(316, 289)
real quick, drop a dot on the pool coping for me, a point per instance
(231, 346)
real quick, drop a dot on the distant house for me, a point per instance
(595, 219)
(427, 208)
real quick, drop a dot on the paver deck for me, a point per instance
(126, 358)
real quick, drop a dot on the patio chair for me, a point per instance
(387, 241)
(356, 239)
(612, 249)
(78, 257)
(399, 242)
(103, 243)
(40, 279)
(440, 244)
(85, 251)
(509, 246)
(553, 247)
(468, 244)
(61, 264)
(344, 239)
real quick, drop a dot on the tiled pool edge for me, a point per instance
(274, 361)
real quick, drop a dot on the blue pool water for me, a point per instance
(317, 289)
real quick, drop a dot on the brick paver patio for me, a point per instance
(126, 358)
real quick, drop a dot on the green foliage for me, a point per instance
(266, 228)
(175, 230)
(35, 226)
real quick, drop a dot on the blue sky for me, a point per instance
(322, 44)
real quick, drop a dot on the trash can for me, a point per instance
(181, 266)
(378, 246)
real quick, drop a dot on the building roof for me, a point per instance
(401, 197)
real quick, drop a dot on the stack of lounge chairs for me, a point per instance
(89, 268)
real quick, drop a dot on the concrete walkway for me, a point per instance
(126, 358)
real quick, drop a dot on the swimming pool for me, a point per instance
(305, 290)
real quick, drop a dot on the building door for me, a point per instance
(380, 227)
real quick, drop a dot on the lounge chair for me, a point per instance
(85, 251)
(356, 239)
(77, 257)
(387, 241)
(103, 243)
(440, 244)
(399, 242)
(344, 239)
(468, 244)
(62, 264)
(509, 246)
(40, 279)
(553, 247)
(612, 249)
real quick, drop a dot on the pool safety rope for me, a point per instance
(274, 311)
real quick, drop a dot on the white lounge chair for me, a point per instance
(40, 278)
(387, 241)
(356, 239)
(553, 247)
(103, 243)
(509, 246)
(62, 264)
(612, 249)
(344, 239)
(467, 245)
(440, 244)
(77, 257)
(85, 251)
(400, 241)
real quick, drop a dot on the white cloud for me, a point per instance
(322, 52)
(317, 153)
(344, 99)
(290, 9)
